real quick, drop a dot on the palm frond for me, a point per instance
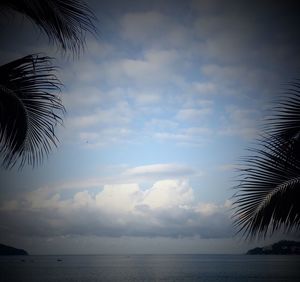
(65, 22)
(29, 110)
(268, 193)
(284, 125)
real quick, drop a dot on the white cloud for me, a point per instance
(145, 175)
(82, 199)
(166, 194)
(160, 124)
(84, 97)
(192, 136)
(118, 198)
(207, 208)
(119, 114)
(100, 126)
(159, 170)
(204, 88)
(106, 136)
(168, 208)
(193, 114)
(143, 98)
(241, 122)
(85, 121)
(155, 68)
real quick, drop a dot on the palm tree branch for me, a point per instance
(29, 110)
(265, 183)
(65, 22)
(288, 184)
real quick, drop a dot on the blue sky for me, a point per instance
(160, 107)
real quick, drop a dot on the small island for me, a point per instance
(10, 251)
(283, 247)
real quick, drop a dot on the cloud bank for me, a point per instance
(166, 209)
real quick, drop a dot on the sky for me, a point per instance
(160, 108)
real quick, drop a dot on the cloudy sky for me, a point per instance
(160, 108)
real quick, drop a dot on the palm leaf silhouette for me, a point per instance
(29, 110)
(269, 190)
(65, 22)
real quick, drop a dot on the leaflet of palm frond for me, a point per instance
(65, 22)
(268, 193)
(287, 150)
(284, 125)
(29, 110)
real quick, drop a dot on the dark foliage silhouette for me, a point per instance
(268, 193)
(28, 110)
(65, 22)
(29, 105)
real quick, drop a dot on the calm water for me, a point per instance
(239, 268)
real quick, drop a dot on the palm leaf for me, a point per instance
(285, 123)
(65, 22)
(29, 110)
(268, 193)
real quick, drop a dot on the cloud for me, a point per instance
(166, 194)
(192, 136)
(160, 124)
(100, 126)
(146, 98)
(119, 114)
(138, 26)
(166, 209)
(183, 72)
(193, 114)
(154, 67)
(106, 136)
(160, 170)
(145, 175)
(118, 199)
(204, 88)
(241, 122)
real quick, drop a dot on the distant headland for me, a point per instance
(9, 251)
(283, 247)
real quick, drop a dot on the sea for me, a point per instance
(125, 268)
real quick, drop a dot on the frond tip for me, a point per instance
(65, 22)
(29, 110)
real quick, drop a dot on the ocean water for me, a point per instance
(127, 268)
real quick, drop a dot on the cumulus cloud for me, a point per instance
(168, 208)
